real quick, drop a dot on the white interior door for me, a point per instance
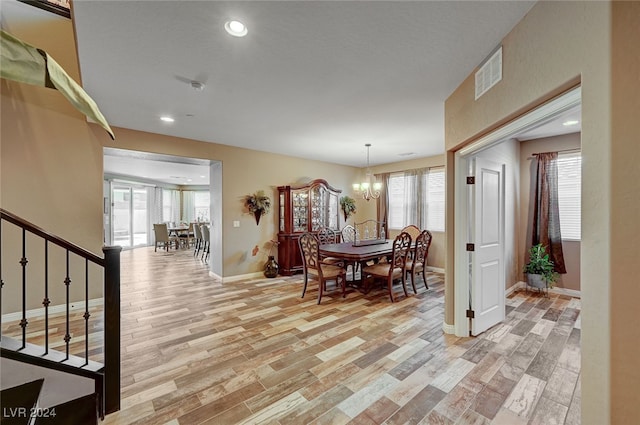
(487, 288)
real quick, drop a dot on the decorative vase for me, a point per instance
(257, 214)
(536, 281)
(271, 267)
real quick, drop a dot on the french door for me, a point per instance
(129, 216)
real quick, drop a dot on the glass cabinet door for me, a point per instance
(332, 218)
(299, 199)
(318, 203)
(282, 212)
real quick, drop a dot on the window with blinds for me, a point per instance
(408, 195)
(435, 200)
(569, 183)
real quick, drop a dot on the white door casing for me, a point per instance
(487, 259)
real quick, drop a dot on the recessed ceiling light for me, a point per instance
(189, 180)
(236, 28)
(570, 123)
(201, 177)
(167, 119)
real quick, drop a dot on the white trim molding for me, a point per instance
(238, 277)
(521, 286)
(448, 329)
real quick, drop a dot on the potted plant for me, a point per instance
(540, 268)
(348, 206)
(258, 204)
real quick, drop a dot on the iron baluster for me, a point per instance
(46, 300)
(86, 312)
(1, 281)
(67, 336)
(23, 262)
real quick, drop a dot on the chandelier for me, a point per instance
(368, 189)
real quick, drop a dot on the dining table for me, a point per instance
(357, 253)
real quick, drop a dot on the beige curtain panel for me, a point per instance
(26, 64)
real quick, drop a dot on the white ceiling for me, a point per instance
(312, 79)
(153, 168)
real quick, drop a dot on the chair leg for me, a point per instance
(424, 277)
(321, 284)
(344, 285)
(390, 286)
(304, 288)
(413, 280)
(404, 286)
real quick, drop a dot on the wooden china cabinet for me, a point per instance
(303, 209)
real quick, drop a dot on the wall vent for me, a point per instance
(489, 74)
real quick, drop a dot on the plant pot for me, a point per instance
(271, 267)
(257, 214)
(536, 281)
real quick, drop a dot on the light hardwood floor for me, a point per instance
(196, 351)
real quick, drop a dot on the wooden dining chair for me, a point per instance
(348, 233)
(206, 236)
(198, 237)
(417, 262)
(393, 270)
(162, 237)
(328, 235)
(312, 266)
(187, 237)
(412, 230)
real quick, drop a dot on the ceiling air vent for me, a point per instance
(489, 74)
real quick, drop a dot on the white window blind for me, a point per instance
(569, 183)
(403, 200)
(396, 201)
(435, 200)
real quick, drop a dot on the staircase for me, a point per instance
(20, 406)
(50, 349)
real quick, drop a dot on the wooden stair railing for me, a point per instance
(108, 383)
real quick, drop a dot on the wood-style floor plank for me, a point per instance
(199, 351)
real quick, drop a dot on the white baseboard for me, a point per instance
(448, 329)
(238, 277)
(215, 276)
(53, 309)
(435, 269)
(559, 291)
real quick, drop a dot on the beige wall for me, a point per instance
(437, 249)
(50, 172)
(555, 46)
(625, 210)
(244, 171)
(571, 249)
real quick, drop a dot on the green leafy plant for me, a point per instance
(348, 206)
(540, 263)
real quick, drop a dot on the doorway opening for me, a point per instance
(490, 145)
(142, 189)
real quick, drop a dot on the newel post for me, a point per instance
(112, 328)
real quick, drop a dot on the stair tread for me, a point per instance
(81, 410)
(33, 350)
(18, 402)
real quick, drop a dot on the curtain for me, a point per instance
(188, 206)
(382, 202)
(546, 216)
(415, 194)
(174, 206)
(154, 195)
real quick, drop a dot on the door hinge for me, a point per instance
(471, 180)
(470, 314)
(471, 247)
